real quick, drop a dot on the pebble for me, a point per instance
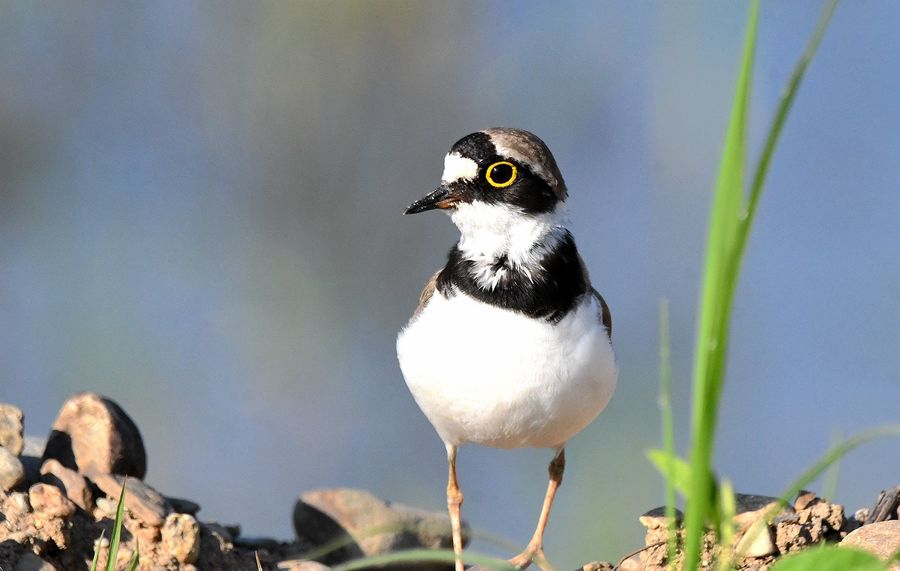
(656, 518)
(144, 503)
(49, 501)
(69, 481)
(181, 537)
(12, 423)
(182, 506)
(757, 541)
(880, 538)
(886, 507)
(325, 515)
(31, 562)
(12, 472)
(750, 508)
(93, 435)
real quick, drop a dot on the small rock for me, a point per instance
(880, 538)
(182, 506)
(34, 445)
(181, 537)
(633, 563)
(144, 503)
(757, 541)
(93, 435)
(32, 466)
(804, 498)
(886, 507)
(69, 481)
(375, 525)
(656, 518)
(597, 566)
(12, 472)
(790, 535)
(750, 508)
(11, 428)
(31, 562)
(49, 501)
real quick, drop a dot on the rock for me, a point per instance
(374, 525)
(632, 563)
(757, 541)
(31, 562)
(804, 498)
(93, 435)
(49, 501)
(597, 566)
(144, 503)
(12, 423)
(34, 445)
(69, 481)
(881, 538)
(750, 508)
(182, 506)
(886, 507)
(181, 537)
(790, 535)
(12, 472)
(32, 466)
(656, 518)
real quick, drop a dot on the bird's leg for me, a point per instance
(534, 552)
(454, 501)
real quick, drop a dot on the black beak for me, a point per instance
(442, 198)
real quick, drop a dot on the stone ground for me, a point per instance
(58, 496)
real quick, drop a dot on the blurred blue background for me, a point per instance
(200, 218)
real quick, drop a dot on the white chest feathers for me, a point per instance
(491, 376)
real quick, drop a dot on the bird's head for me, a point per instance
(509, 169)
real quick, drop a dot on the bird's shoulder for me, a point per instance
(603, 313)
(426, 294)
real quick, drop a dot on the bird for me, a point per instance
(510, 345)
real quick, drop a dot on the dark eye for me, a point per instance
(501, 175)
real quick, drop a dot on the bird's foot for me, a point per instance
(534, 553)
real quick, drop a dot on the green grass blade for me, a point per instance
(834, 455)
(829, 558)
(715, 303)
(135, 557)
(668, 424)
(774, 132)
(96, 560)
(676, 471)
(727, 507)
(258, 562)
(117, 531)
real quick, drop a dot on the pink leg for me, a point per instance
(534, 552)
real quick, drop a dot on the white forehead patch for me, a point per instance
(458, 167)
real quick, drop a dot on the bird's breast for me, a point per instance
(493, 376)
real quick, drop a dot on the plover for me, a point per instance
(510, 345)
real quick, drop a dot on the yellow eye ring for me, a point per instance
(507, 173)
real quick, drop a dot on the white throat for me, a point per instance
(491, 231)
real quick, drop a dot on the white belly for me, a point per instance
(495, 377)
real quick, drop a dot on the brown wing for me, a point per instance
(426, 294)
(605, 315)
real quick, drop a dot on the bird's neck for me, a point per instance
(528, 263)
(491, 233)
